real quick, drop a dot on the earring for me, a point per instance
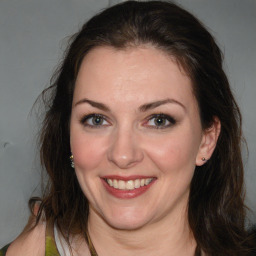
(72, 161)
(203, 159)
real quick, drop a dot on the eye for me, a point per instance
(94, 121)
(160, 121)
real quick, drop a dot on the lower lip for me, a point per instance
(127, 194)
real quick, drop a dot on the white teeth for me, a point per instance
(115, 184)
(110, 182)
(137, 183)
(148, 181)
(121, 184)
(128, 185)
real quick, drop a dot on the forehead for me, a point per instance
(133, 74)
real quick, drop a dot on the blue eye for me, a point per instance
(94, 121)
(160, 121)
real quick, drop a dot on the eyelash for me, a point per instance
(84, 120)
(164, 117)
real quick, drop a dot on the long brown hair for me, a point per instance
(216, 210)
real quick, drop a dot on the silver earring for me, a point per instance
(203, 159)
(72, 161)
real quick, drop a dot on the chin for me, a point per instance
(126, 226)
(124, 221)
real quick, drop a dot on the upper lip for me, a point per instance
(126, 178)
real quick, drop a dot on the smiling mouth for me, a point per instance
(129, 184)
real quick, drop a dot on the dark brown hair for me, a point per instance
(216, 210)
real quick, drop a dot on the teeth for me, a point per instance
(110, 182)
(137, 183)
(115, 184)
(121, 184)
(128, 185)
(147, 181)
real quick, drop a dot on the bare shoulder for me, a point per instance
(31, 241)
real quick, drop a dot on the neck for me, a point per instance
(168, 236)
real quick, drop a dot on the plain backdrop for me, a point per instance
(33, 35)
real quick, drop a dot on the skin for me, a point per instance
(127, 142)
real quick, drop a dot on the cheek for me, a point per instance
(174, 153)
(88, 151)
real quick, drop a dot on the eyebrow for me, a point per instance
(95, 104)
(142, 108)
(158, 103)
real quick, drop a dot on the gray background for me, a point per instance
(33, 35)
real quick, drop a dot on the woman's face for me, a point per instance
(136, 135)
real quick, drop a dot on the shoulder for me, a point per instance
(31, 241)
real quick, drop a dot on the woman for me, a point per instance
(141, 142)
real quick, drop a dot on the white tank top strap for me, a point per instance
(61, 243)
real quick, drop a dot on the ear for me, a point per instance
(209, 141)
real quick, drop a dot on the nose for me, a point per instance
(125, 150)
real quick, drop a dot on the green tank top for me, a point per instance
(50, 245)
